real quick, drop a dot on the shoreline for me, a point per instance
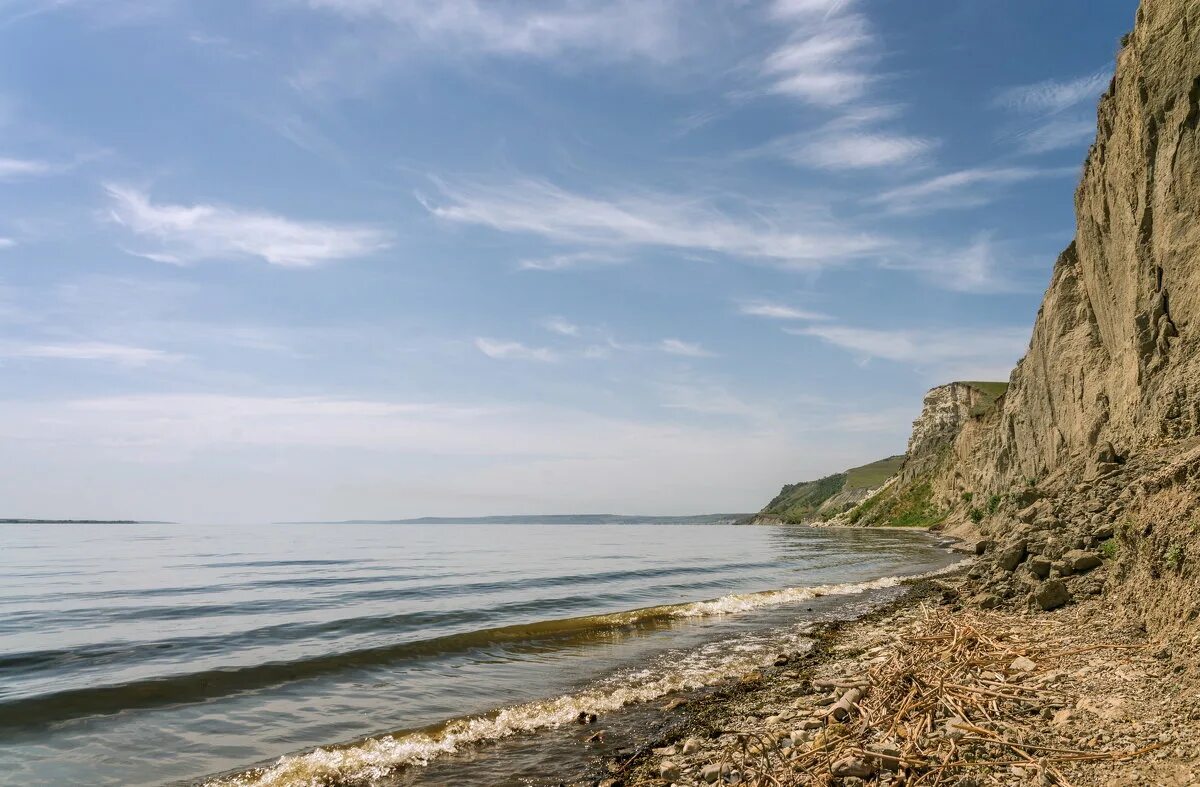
(1074, 697)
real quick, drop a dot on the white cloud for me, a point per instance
(560, 262)
(368, 39)
(827, 57)
(539, 208)
(7, 243)
(778, 311)
(13, 168)
(964, 188)
(561, 326)
(706, 399)
(1056, 134)
(514, 351)
(974, 267)
(189, 233)
(1053, 95)
(120, 354)
(611, 30)
(680, 347)
(993, 348)
(838, 148)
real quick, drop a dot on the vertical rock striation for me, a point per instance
(1114, 357)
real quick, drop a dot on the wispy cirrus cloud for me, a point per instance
(569, 261)
(646, 219)
(191, 233)
(1056, 134)
(976, 267)
(120, 354)
(561, 326)
(778, 311)
(964, 188)
(15, 168)
(995, 350)
(827, 56)
(840, 146)
(624, 29)
(368, 39)
(1058, 107)
(1053, 95)
(686, 349)
(502, 350)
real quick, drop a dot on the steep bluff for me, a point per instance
(1090, 461)
(1114, 358)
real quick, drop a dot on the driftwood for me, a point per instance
(944, 701)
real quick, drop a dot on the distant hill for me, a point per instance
(809, 501)
(546, 519)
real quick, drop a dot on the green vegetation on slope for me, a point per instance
(873, 475)
(797, 503)
(911, 506)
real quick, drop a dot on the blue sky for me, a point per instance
(361, 258)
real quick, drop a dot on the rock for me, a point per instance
(1022, 664)
(1106, 454)
(711, 773)
(1061, 717)
(585, 717)
(983, 546)
(885, 756)
(692, 745)
(852, 767)
(1052, 594)
(668, 771)
(1039, 567)
(1011, 556)
(1081, 561)
(781, 660)
(987, 600)
(675, 704)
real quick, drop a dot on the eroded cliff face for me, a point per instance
(1114, 356)
(1094, 451)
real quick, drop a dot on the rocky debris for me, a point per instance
(1081, 562)
(1052, 594)
(1062, 697)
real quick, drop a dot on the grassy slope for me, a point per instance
(797, 502)
(874, 474)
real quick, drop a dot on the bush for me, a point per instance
(1109, 548)
(967, 496)
(1174, 557)
(976, 515)
(993, 503)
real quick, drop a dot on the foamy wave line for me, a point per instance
(376, 758)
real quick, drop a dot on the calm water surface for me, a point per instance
(149, 654)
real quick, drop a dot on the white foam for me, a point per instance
(375, 758)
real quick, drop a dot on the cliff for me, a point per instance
(1085, 475)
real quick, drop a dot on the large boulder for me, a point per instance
(1052, 594)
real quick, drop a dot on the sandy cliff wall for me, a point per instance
(1114, 356)
(1090, 463)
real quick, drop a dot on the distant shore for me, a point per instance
(83, 522)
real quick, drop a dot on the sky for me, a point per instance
(325, 259)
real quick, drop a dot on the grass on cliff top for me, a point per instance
(874, 474)
(992, 391)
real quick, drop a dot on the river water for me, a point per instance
(350, 654)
